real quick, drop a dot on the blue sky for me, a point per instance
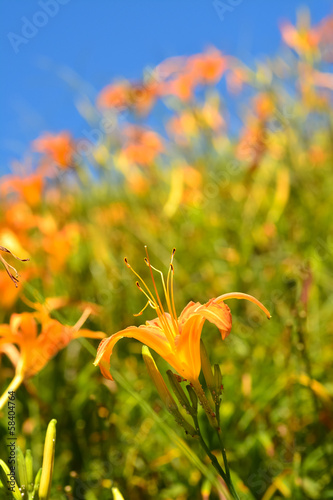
(49, 53)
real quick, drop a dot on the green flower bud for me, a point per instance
(116, 494)
(5, 478)
(180, 394)
(158, 380)
(48, 461)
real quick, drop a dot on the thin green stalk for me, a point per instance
(212, 457)
(224, 455)
(214, 419)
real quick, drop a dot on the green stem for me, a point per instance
(205, 403)
(212, 457)
(214, 419)
(224, 455)
(15, 383)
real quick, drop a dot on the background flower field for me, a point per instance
(247, 210)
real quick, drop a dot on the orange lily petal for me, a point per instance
(188, 347)
(6, 332)
(11, 352)
(217, 313)
(24, 325)
(193, 318)
(152, 336)
(240, 295)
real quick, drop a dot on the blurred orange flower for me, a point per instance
(182, 87)
(176, 339)
(59, 244)
(144, 95)
(137, 96)
(187, 73)
(207, 68)
(29, 188)
(264, 105)
(19, 217)
(35, 350)
(8, 292)
(142, 145)
(303, 40)
(58, 147)
(114, 96)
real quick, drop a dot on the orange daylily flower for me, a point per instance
(176, 339)
(59, 147)
(35, 350)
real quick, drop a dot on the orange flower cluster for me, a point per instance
(57, 147)
(124, 95)
(175, 76)
(35, 349)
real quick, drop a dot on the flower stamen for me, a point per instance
(168, 330)
(149, 303)
(167, 296)
(155, 303)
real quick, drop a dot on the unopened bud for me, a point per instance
(116, 494)
(48, 461)
(180, 394)
(158, 380)
(8, 480)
